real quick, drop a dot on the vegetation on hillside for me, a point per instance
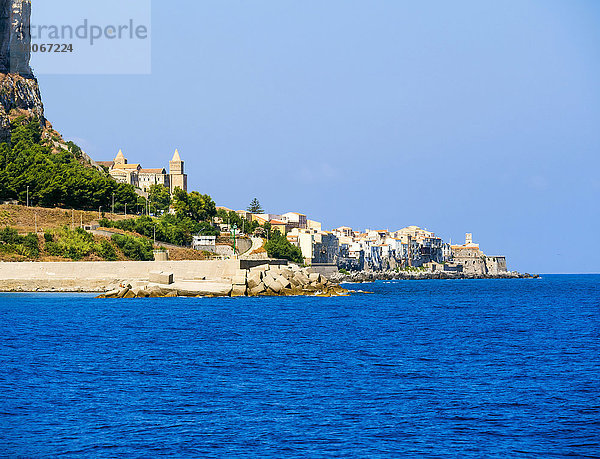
(12, 242)
(31, 171)
(193, 212)
(55, 179)
(134, 248)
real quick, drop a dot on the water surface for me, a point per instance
(484, 368)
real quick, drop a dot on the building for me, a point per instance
(149, 177)
(474, 261)
(143, 179)
(326, 250)
(312, 224)
(295, 220)
(278, 225)
(177, 176)
(204, 243)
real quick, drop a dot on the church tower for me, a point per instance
(177, 176)
(120, 159)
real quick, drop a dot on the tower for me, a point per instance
(469, 239)
(178, 179)
(120, 158)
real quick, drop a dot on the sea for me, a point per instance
(437, 368)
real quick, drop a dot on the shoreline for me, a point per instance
(198, 278)
(367, 277)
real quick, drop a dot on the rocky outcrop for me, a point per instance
(372, 276)
(19, 90)
(18, 96)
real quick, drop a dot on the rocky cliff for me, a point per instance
(19, 90)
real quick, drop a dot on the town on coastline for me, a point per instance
(137, 231)
(409, 249)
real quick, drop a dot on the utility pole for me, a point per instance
(100, 212)
(233, 231)
(27, 195)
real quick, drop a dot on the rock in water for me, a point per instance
(19, 90)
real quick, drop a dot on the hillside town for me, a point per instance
(342, 248)
(376, 250)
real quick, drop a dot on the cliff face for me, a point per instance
(15, 37)
(19, 90)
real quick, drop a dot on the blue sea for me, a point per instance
(466, 369)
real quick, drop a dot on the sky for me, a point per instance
(461, 116)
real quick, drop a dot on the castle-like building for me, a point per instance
(134, 174)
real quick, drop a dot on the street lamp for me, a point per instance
(126, 209)
(100, 212)
(234, 230)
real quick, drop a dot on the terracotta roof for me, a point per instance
(127, 166)
(276, 222)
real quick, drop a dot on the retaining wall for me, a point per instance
(97, 276)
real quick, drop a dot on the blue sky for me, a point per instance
(461, 116)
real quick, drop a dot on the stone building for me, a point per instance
(474, 261)
(135, 175)
(177, 176)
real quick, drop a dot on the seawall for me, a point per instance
(96, 276)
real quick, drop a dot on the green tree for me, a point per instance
(255, 207)
(196, 206)
(160, 198)
(279, 247)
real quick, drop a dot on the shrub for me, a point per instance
(27, 246)
(71, 244)
(106, 250)
(9, 236)
(135, 248)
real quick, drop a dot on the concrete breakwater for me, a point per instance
(263, 280)
(166, 278)
(372, 276)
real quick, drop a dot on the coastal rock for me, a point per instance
(19, 90)
(15, 37)
(259, 289)
(238, 290)
(254, 279)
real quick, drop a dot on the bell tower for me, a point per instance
(177, 176)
